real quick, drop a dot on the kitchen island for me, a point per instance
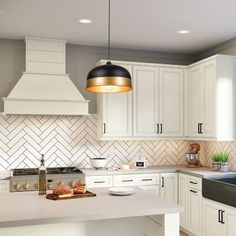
(137, 214)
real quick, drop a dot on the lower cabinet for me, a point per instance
(190, 197)
(99, 181)
(169, 186)
(218, 219)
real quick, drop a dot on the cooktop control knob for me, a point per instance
(17, 186)
(49, 186)
(26, 186)
(72, 184)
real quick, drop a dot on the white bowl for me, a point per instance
(121, 191)
(98, 163)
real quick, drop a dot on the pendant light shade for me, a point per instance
(109, 78)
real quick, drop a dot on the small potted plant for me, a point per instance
(224, 160)
(216, 162)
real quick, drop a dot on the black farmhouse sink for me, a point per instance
(221, 190)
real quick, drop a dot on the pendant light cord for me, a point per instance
(109, 29)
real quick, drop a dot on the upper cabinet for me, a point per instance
(115, 113)
(153, 109)
(145, 101)
(171, 101)
(210, 102)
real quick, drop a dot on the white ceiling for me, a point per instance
(136, 24)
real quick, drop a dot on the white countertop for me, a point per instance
(201, 172)
(29, 208)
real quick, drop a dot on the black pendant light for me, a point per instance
(109, 78)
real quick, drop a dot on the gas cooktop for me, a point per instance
(50, 171)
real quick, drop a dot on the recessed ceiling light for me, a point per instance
(85, 21)
(183, 31)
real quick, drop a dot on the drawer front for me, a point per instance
(99, 181)
(136, 180)
(195, 182)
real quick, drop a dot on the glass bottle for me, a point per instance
(42, 177)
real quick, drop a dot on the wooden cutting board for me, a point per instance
(53, 196)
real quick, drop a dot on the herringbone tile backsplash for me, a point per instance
(71, 140)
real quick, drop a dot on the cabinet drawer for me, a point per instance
(195, 182)
(136, 180)
(99, 181)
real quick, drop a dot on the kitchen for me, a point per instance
(181, 107)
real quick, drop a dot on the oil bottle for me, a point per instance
(42, 177)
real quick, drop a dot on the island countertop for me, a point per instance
(29, 208)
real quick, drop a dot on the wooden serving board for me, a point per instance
(53, 196)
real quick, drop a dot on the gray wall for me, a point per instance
(80, 59)
(227, 47)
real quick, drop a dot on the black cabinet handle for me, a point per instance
(146, 179)
(104, 128)
(162, 182)
(193, 191)
(127, 180)
(161, 128)
(157, 128)
(219, 216)
(191, 182)
(222, 217)
(200, 128)
(99, 182)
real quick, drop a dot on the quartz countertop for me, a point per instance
(29, 208)
(202, 172)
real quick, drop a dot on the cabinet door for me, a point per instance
(194, 213)
(183, 199)
(171, 102)
(229, 219)
(210, 219)
(196, 100)
(145, 101)
(168, 187)
(116, 113)
(209, 119)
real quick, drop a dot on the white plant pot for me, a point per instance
(216, 165)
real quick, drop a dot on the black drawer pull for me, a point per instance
(127, 180)
(219, 216)
(99, 182)
(146, 179)
(191, 182)
(222, 217)
(162, 182)
(193, 191)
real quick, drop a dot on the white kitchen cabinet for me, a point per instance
(211, 84)
(194, 211)
(229, 219)
(115, 113)
(152, 189)
(202, 80)
(145, 101)
(183, 200)
(169, 186)
(218, 219)
(99, 181)
(190, 197)
(171, 102)
(211, 218)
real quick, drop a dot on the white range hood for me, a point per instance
(44, 88)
